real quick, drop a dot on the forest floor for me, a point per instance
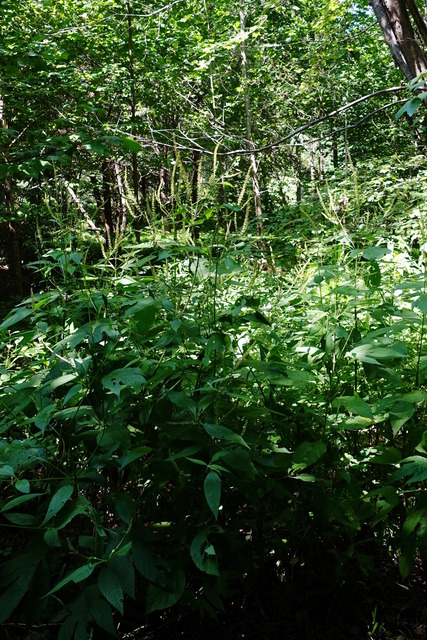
(387, 610)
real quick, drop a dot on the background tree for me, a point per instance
(404, 41)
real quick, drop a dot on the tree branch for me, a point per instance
(316, 121)
(288, 136)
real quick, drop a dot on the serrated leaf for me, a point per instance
(212, 489)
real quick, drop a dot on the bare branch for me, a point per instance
(316, 121)
(305, 127)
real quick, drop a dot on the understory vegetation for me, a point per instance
(194, 432)
(213, 316)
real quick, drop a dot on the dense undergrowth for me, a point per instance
(192, 433)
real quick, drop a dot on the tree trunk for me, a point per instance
(311, 161)
(399, 34)
(321, 164)
(334, 150)
(14, 257)
(135, 174)
(251, 146)
(121, 209)
(298, 172)
(195, 191)
(107, 201)
(14, 244)
(419, 21)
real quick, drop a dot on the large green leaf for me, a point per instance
(76, 576)
(203, 554)
(21, 519)
(23, 486)
(15, 316)
(20, 500)
(307, 453)
(421, 303)
(111, 588)
(163, 598)
(144, 313)
(144, 562)
(373, 353)
(182, 401)
(400, 414)
(387, 498)
(212, 489)
(413, 468)
(223, 433)
(77, 507)
(101, 613)
(58, 501)
(354, 404)
(132, 455)
(125, 377)
(24, 569)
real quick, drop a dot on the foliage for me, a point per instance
(177, 421)
(196, 409)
